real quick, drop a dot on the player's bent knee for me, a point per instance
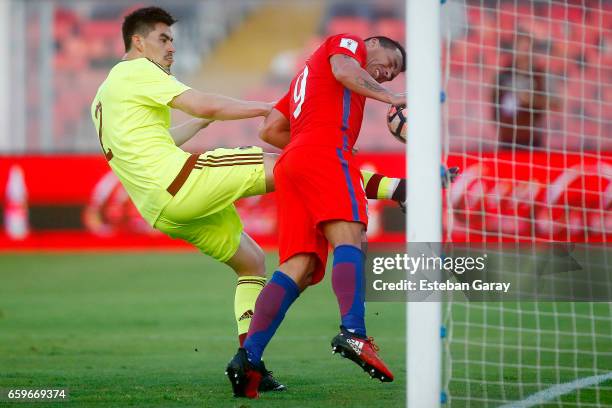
(300, 268)
(259, 261)
(249, 259)
(339, 232)
(307, 280)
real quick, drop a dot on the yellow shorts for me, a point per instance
(202, 212)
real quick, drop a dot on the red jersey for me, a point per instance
(321, 111)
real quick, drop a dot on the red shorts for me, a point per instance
(315, 184)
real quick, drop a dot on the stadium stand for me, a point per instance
(569, 43)
(88, 42)
(580, 85)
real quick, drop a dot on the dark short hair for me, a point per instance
(142, 21)
(386, 42)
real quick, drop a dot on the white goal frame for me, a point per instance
(424, 196)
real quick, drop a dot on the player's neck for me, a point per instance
(132, 54)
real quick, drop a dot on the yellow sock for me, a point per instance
(247, 290)
(381, 187)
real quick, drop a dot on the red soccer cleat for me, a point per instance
(363, 352)
(244, 377)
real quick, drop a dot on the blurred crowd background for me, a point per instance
(60, 51)
(527, 106)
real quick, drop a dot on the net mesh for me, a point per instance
(527, 108)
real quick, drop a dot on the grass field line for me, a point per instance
(559, 390)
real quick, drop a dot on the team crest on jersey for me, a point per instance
(349, 44)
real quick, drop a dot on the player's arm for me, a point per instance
(218, 107)
(185, 131)
(275, 129)
(349, 73)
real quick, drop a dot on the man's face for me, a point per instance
(383, 64)
(158, 45)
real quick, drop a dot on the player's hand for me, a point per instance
(448, 175)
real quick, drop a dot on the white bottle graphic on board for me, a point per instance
(16, 205)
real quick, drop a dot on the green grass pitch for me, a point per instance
(501, 344)
(123, 330)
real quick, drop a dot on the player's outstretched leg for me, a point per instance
(381, 187)
(245, 370)
(249, 264)
(348, 282)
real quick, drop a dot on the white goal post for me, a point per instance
(424, 212)
(518, 94)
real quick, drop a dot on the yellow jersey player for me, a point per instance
(184, 195)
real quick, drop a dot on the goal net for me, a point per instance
(527, 116)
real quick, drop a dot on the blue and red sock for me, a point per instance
(270, 308)
(348, 281)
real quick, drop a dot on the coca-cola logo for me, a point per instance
(578, 204)
(110, 210)
(492, 202)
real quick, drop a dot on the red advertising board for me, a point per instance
(523, 196)
(75, 202)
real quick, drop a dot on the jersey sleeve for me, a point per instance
(347, 44)
(158, 86)
(283, 105)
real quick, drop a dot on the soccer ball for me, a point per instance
(396, 121)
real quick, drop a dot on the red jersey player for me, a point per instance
(321, 200)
